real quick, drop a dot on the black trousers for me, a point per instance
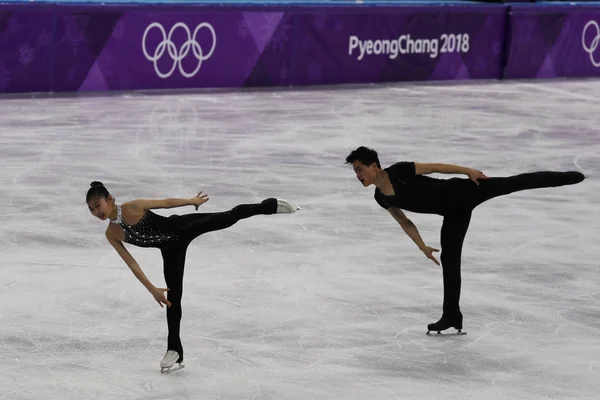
(189, 227)
(464, 197)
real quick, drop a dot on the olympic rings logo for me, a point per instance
(177, 55)
(591, 47)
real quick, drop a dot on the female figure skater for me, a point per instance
(404, 186)
(134, 223)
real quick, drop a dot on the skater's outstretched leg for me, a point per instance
(191, 226)
(454, 230)
(494, 187)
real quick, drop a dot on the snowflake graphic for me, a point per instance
(26, 55)
(119, 30)
(280, 38)
(243, 30)
(314, 72)
(4, 77)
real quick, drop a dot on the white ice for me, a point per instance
(329, 303)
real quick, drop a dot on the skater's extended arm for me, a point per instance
(424, 169)
(158, 293)
(144, 205)
(412, 231)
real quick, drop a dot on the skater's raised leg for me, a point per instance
(494, 187)
(194, 225)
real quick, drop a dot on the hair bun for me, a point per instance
(96, 183)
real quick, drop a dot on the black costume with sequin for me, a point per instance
(172, 235)
(151, 231)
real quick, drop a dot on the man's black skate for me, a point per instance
(573, 177)
(446, 323)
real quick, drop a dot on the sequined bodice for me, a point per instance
(151, 231)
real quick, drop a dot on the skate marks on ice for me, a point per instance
(584, 317)
(342, 348)
(595, 367)
(578, 325)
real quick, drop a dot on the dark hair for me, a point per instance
(365, 155)
(97, 190)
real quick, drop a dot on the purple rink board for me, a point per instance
(91, 48)
(553, 41)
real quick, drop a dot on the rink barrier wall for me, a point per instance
(48, 47)
(550, 40)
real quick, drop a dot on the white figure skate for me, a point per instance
(285, 207)
(168, 361)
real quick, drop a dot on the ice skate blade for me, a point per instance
(439, 333)
(168, 370)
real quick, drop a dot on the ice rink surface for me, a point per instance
(329, 303)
